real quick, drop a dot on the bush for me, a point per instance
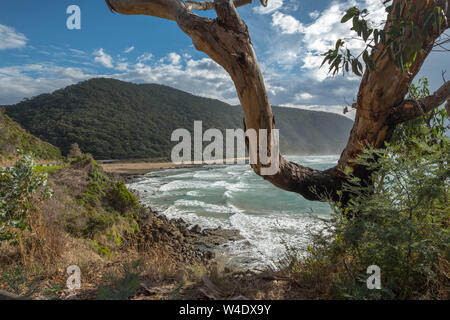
(106, 209)
(400, 223)
(75, 151)
(122, 287)
(18, 186)
(122, 199)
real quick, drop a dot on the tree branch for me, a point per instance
(209, 5)
(5, 295)
(412, 109)
(226, 40)
(313, 185)
(165, 9)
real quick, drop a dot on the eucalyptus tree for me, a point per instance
(393, 56)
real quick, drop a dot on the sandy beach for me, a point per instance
(140, 168)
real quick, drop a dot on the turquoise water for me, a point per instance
(234, 197)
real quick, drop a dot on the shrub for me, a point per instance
(75, 151)
(121, 288)
(400, 223)
(96, 189)
(18, 187)
(122, 199)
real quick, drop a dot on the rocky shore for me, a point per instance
(184, 242)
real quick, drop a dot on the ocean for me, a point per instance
(234, 197)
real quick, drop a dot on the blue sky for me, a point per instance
(39, 54)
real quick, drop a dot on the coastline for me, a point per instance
(189, 241)
(140, 168)
(137, 168)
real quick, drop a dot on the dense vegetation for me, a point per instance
(48, 221)
(13, 138)
(400, 223)
(112, 119)
(101, 207)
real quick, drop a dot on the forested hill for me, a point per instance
(112, 119)
(14, 138)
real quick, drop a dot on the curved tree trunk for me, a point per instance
(380, 105)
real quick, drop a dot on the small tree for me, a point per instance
(75, 151)
(20, 190)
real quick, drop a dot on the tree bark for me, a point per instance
(385, 88)
(380, 102)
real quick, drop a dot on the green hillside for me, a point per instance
(13, 137)
(112, 119)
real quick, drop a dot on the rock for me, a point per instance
(183, 243)
(196, 229)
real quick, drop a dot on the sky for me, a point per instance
(39, 54)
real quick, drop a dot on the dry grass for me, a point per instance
(47, 251)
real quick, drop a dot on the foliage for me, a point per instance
(96, 189)
(121, 198)
(111, 119)
(400, 223)
(402, 40)
(13, 138)
(121, 288)
(19, 191)
(21, 283)
(74, 151)
(107, 209)
(431, 127)
(48, 169)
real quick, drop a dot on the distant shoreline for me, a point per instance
(136, 167)
(131, 168)
(140, 168)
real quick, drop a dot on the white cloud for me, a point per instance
(103, 58)
(75, 74)
(293, 44)
(201, 77)
(174, 58)
(321, 35)
(286, 23)
(314, 15)
(11, 39)
(290, 63)
(145, 57)
(198, 76)
(128, 50)
(122, 66)
(18, 82)
(77, 52)
(303, 96)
